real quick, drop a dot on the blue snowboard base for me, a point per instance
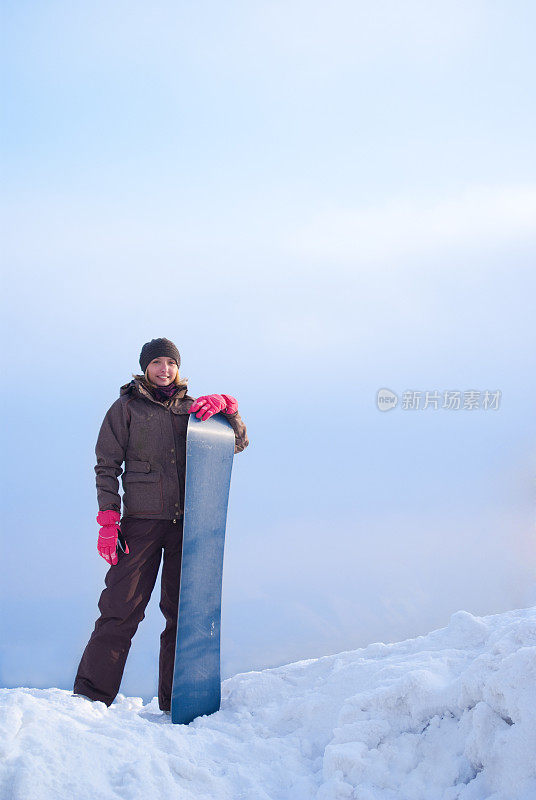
(209, 460)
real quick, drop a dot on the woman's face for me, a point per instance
(162, 371)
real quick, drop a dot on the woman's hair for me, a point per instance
(145, 378)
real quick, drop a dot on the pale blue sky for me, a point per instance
(313, 202)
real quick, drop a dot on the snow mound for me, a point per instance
(446, 716)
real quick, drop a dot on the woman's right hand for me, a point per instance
(107, 542)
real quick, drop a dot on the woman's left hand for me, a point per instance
(210, 404)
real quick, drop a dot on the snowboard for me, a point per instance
(209, 460)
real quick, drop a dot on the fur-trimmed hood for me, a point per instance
(139, 386)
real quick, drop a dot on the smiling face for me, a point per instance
(162, 371)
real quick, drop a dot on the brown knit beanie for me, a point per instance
(158, 348)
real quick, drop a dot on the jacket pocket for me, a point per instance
(142, 489)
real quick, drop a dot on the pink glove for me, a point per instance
(107, 543)
(232, 404)
(210, 404)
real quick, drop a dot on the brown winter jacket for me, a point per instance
(149, 436)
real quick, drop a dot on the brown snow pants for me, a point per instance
(122, 604)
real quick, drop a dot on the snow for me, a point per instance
(448, 715)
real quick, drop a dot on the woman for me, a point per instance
(146, 429)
